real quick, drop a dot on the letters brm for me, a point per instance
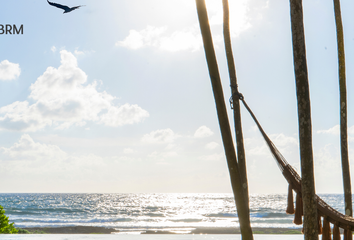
(11, 29)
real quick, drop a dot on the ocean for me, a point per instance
(136, 213)
(144, 237)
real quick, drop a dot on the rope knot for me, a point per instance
(235, 94)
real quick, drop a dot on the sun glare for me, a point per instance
(239, 20)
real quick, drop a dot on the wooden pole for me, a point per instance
(225, 130)
(304, 118)
(343, 111)
(236, 103)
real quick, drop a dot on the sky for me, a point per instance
(115, 97)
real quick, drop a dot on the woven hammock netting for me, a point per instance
(325, 212)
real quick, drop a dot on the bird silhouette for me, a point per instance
(65, 8)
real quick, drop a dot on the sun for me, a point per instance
(239, 15)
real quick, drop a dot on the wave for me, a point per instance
(186, 220)
(222, 215)
(269, 215)
(155, 215)
(73, 220)
(146, 210)
(252, 215)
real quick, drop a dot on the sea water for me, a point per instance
(145, 237)
(136, 213)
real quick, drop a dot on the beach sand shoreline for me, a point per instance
(199, 230)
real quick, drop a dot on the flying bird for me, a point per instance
(65, 8)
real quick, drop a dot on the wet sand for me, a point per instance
(71, 230)
(102, 230)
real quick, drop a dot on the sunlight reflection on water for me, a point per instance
(150, 211)
(147, 237)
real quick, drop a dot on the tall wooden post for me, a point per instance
(236, 103)
(304, 118)
(229, 148)
(343, 111)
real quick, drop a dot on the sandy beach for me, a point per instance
(102, 230)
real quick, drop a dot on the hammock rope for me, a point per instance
(325, 211)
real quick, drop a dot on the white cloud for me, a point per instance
(125, 114)
(146, 37)
(213, 157)
(186, 39)
(203, 132)
(159, 37)
(128, 151)
(162, 156)
(27, 149)
(35, 161)
(22, 116)
(334, 130)
(9, 71)
(160, 136)
(261, 150)
(288, 146)
(281, 140)
(351, 133)
(62, 99)
(171, 146)
(212, 145)
(327, 156)
(77, 52)
(189, 38)
(53, 49)
(254, 128)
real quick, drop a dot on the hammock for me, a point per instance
(329, 214)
